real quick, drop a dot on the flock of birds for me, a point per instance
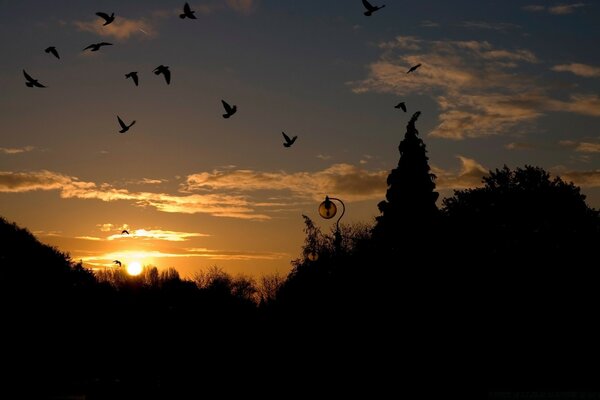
(164, 70)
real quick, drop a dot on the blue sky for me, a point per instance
(501, 83)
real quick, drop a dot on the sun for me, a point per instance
(134, 268)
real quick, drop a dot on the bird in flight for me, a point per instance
(228, 109)
(161, 69)
(133, 75)
(125, 231)
(371, 8)
(107, 18)
(402, 106)
(32, 82)
(52, 50)
(187, 12)
(96, 46)
(124, 127)
(288, 142)
(118, 263)
(413, 68)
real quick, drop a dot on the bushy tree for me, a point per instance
(523, 214)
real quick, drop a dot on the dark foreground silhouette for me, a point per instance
(495, 290)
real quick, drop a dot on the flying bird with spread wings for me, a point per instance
(413, 68)
(288, 142)
(96, 46)
(402, 106)
(107, 18)
(125, 232)
(229, 110)
(32, 82)
(371, 8)
(161, 69)
(187, 12)
(118, 263)
(52, 50)
(134, 76)
(124, 127)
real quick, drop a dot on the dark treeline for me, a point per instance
(494, 288)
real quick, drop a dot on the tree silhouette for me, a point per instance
(524, 214)
(409, 209)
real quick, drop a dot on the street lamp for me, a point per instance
(327, 210)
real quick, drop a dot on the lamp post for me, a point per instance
(327, 210)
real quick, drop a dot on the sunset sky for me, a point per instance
(501, 82)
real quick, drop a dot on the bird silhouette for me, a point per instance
(133, 75)
(187, 12)
(124, 127)
(32, 82)
(96, 46)
(52, 50)
(118, 263)
(107, 18)
(371, 8)
(228, 109)
(402, 106)
(125, 231)
(413, 68)
(161, 69)
(288, 142)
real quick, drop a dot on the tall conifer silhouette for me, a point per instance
(409, 209)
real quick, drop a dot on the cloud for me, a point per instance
(242, 6)
(16, 150)
(520, 146)
(559, 9)
(157, 234)
(345, 180)
(221, 205)
(584, 179)
(92, 238)
(469, 175)
(584, 70)
(581, 147)
(149, 257)
(122, 28)
(429, 24)
(565, 8)
(494, 26)
(476, 86)
(234, 193)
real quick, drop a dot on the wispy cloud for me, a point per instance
(587, 71)
(221, 205)
(91, 238)
(122, 28)
(151, 257)
(346, 180)
(429, 24)
(156, 234)
(486, 25)
(562, 9)
(234, 193)
(16, 150)
(520, 146)
(581, 147)
(475, 85)
(559, 9)
(585, 179)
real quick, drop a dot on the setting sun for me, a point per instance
(134, 268)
